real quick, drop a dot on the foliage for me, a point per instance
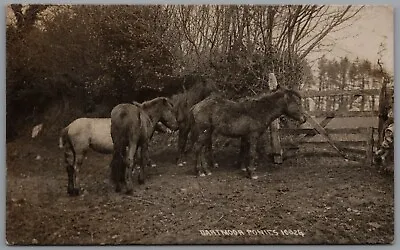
(75, 58)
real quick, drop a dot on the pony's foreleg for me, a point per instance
(182, 140)
(252, 156)
(130, 164)
(192, 137)
(244, 153)
(198, 148)
(138, 156)
(143, 162)
(209, 154)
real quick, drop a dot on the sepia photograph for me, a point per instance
(199, 124)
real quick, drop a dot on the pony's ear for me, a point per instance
(170, 102)
(167, 101)
(136, 103)
(278, 86)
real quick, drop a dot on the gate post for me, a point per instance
(370, 146)
(276, 147)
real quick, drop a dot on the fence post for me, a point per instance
(277, 151)
(382, 109)
(370, 146)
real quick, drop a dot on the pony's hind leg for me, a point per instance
(200, 149)
(130, 163)
(69, 165)
(70, 171)
(143, 162)
(75, 173)
(148, 161)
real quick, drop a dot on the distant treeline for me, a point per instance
(344, 74)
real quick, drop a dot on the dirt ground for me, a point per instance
(320, 198)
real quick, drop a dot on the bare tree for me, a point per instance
(290, 31)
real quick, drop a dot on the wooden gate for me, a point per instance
(320, 119)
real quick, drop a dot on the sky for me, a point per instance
(373, 26)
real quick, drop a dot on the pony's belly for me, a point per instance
(108, 149)
(104, 146)
(230, 134)
(237, 127)
(232, 131)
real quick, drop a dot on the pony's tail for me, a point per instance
(120, 144)
(65, 142)
(117, 164)
(63, 137)
(117, 170)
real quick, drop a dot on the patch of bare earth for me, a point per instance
(329, 200)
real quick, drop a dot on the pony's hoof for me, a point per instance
(202, 175)
(243, 169)
(216, 165)
(153, 165)
(180, 164)
(209, 173)
(73, 191)
(70, 191)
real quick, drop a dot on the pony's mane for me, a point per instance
(283, 90)
(196, 92)
(293, 92)
(177, 97)
(152, 102)
(198, 85)
(263, 96)
(272, 96)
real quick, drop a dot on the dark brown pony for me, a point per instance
(247, 119)
(132, 126)
(183, 102)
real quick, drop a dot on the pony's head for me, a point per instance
(168, 117)
(293, 107)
